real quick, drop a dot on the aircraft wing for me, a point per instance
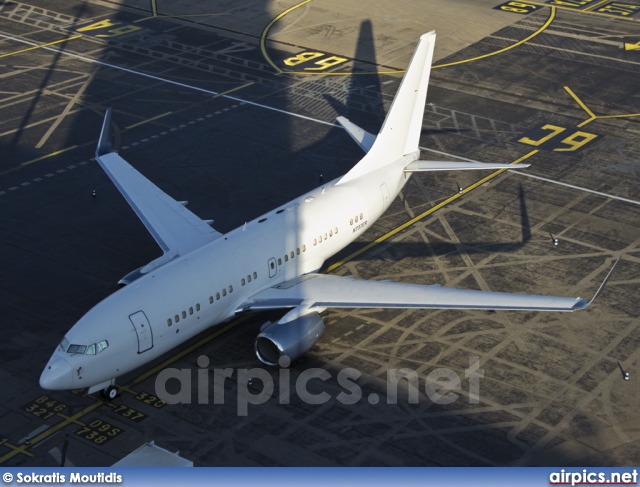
(325, 291)
(176, 229)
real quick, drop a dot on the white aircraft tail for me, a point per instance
(400, 133)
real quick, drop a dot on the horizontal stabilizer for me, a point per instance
(425, 166)
(363, 138)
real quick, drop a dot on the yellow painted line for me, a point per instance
(631, 47)
(451, 199)
(595, 5)
(582, 105)
(552, 16)
(148, 120)
(45, 434)
(41, 45)
(179, 16)
(233, 89)
(49, 155)
(75, 418)
(620, 116)
(154, 8)
(265, 32)
(585, 11)
(67, 418)
(13, 447)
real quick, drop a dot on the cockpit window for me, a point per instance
(92, 349)
(73, 349)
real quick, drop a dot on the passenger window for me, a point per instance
(176, 318)
(361, 217)
(210, 299)
(286, 258)
(325, 236)
(320, 239)
(224, 292)
(230, 289)
(184, 314)
(273, 266)
(356, 218)
(298, 251)
(249, 278)
(255, 275)
(304, 248)
(242, 281)
(217, 296)
(91, 349)
(336, 230)
(331, 233)
(169, 322)
(292, 254)
(279, 261)
(351, 222)
(102, 345)
(190, 310)
(315, 242)
(197, 306)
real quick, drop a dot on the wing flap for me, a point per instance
(324, 291)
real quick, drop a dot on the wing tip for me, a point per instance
(104, 142)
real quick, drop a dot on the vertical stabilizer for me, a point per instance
(400, 132)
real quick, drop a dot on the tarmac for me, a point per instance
(231, 106)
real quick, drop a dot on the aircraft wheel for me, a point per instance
(110, 393)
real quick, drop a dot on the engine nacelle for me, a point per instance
(293, 338)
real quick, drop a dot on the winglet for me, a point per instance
(104, 142)
(583, 303)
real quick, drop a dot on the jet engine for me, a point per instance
(293, 338)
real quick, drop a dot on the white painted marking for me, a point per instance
(580, 188)
(157, 78)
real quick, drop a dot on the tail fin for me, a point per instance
(400, 133)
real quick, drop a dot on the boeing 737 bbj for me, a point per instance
(204, 277)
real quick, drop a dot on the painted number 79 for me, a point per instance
(573, 142)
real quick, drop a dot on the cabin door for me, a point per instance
(273, 267)
(143, 331)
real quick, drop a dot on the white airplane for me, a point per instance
(205, 278)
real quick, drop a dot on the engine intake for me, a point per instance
(293, 338)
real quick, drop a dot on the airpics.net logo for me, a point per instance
(257, 386)
(586, 477)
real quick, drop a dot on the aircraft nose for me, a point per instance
(56, 375)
